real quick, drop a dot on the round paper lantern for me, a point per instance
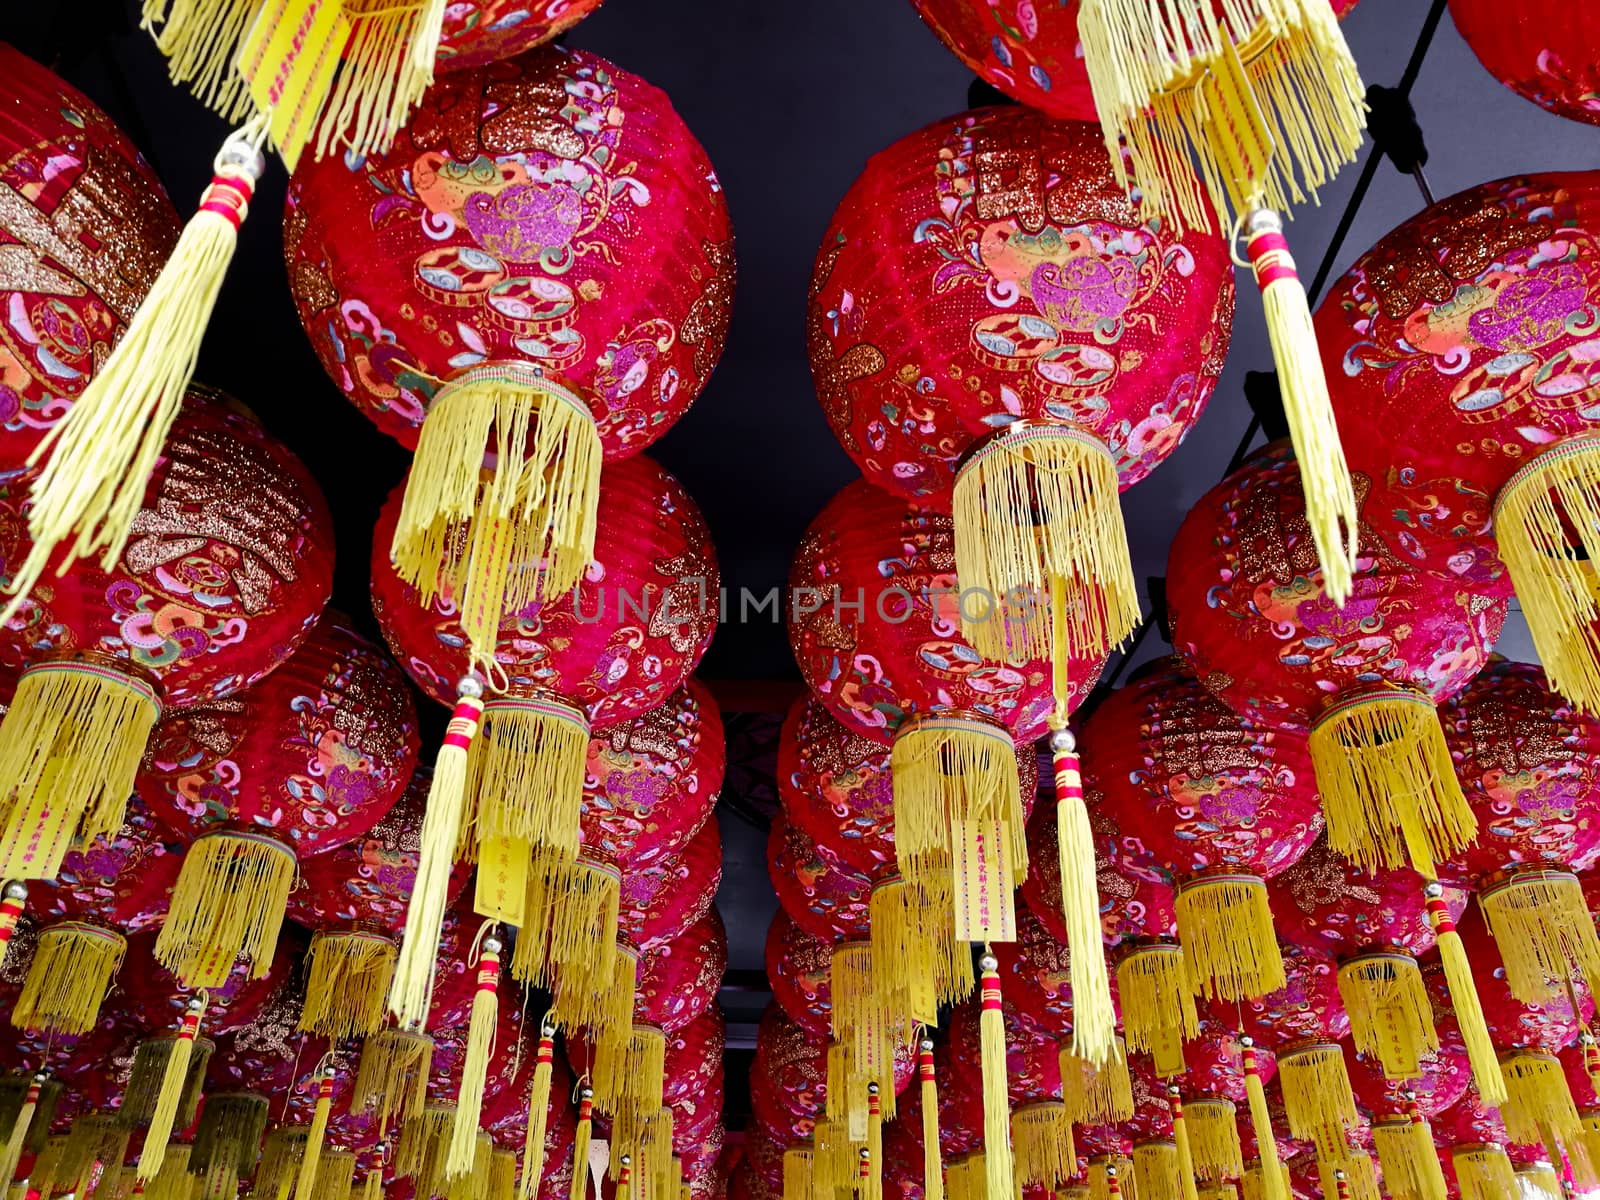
(694, 1064)
(1529, 763)
(1251, 614)
(1377, 924)
(1546, 53)
(354, 899)
(483, 31)
(991, 320)
(1307, 1007)
(301, 763)
(619, 647)
(679, 980)
(822, 896)
(1030, 51)
(1036, 978)
(228, 567)
(798, 966)
(87, 227)
(790, 1077)
(546, 214)
(1442, 1081)
(1474, 320)
(1547, 1027)
(1220, 801)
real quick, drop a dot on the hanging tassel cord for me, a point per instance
(411, 992)
(996, 1099)
(20, 1127)
(538, 1114)
(94, 464)
(481, 1028)
(1272, 1182)
(580, 1142)
(932, 1160)
(170, 1095)
(1464, 997)
(311, 1159)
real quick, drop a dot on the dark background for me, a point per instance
(789, 99)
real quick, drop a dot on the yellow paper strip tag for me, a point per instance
(985, 906)
(1238, 129)
(1166, 1052)
(502, 879)
(288, 61)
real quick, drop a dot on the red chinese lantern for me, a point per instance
(790, 1078)
(227, 569)
(299, 764)
(991, 320)
(1472, 319)
(1252, 614)
(1529, 763)
(1220, 801)
(897, 668)
(542, 265)
(1548, 54)
(68, 171)
(483, 31)
(623, 643)
(1476, 1139)
(819, 893)
(1203, 1102)
(1440, 1084)
(1377, 924)
(354, 899)
(797, 965)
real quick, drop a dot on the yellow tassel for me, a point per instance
(1248, 104)
(952, 774)
(630, 1072)
(1094, 1019)
(1483, 1171)
(72, 969)
(95, 1139)
(845, 1098)
(1388, 786)
(178, 1089)
(502, 1175)
(228, 903)
(1097, 1095)
(311, 1161)
(1543, 930)
(70, 746)
(920, 964)
(13, 900)
(1041, 1139)
(1273, 1177)
(281, 1158)
(441, 830)
(959, 1183)
(348, 974)
(1317, 1099)
(1155, 1172)
(1551, 498)
(1036, 514)
(874, 1159)
(932, 1163)
(392, 1076)
(1158, 1011)
(419, 1155)
(1358, 1177)
(996, 1099)
(1073, 1191)
(1464, 999)
(580, 1143)
(1214, 1139)
(475, 1181)
(388, 64)
(147, 1080)
(610, 1013)
(22, 1124)
(525, 772)
(1538, 1179)
(372, 1184)
(797, 1162)
(538, 1116)
(336, 1175)
(1181, 1146)
(1391, 1019)
(1225, 927)
(227, 1138)
(1586, 1159)
(625, 1179)
(95, 463)
(860, 1021)
(1410, 1164)
(485, 1019)
(569, 930)
(1109, 1175)
(468, 532)
(1538, 1100)
(1330, 498)
(1258, 1184)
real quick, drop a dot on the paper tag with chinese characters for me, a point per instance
(502, 879)
(985, 906)
(287, 62)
